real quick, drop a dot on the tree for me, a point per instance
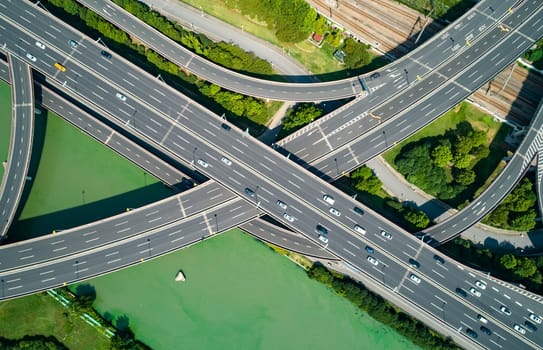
(525, 268)
(441, 155)
(464, 176)
(524, 221)
(302, 114)
(462, 160)
(365, 180)
(334, 38)
(417, 218)
(508, 261)
(356, 54)
(463, 144)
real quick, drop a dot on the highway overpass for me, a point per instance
(20, 148)
(466, 29)
(302, 202)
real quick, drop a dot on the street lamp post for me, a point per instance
(149, 246)
(194, 154)
(337, 166)
(406, 75)
(385, 136)
(77, 269)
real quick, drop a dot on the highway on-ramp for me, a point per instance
(20, 147)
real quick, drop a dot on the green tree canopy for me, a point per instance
(441, 155)
(464, 176)
(365, 180)
(356, 54)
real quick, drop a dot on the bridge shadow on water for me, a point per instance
(82, 214)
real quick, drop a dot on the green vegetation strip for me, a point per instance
(288, 24)
(527, 270)
(248, 112)
(381, 310)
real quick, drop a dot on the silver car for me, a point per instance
(480, 284)
(120, 96)
(323, 239)
(414, 278)
(226, 161)
(202, 163)
(288, 217)
(30, 57)
(335, 212)
(281, 204)
(535, 318)
(519, 329)
(372, 260)
(475, 292)
(386, 234)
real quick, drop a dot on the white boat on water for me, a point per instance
(180, 277)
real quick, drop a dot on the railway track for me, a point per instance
(395, 27)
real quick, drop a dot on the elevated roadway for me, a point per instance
(302, 200)
(484, 15)
(539, 182)
(20, 147)
(298, 198)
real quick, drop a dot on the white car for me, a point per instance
(535, 318)
(323, 239)
(482, 318)
(519, 329)
(475, 292)
(288, 217)
(414, 278)
(120, 96)
(386, 234)
(202, 163)
(505, 310)
(359, 229)
(480, 284)
(335, 211)
(30, 57)
(281, 204)
(226, 161)
(328, 199)
(372, 260)
(40, 45)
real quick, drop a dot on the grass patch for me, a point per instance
(483, 167)
(41, 314)
(79, 183)
(316, 60)
(5, 123)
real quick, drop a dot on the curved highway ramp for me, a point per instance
(20, 146)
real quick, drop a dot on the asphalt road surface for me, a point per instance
(20, 148)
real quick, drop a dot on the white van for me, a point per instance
(328, 199)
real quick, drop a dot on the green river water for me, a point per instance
(239, 294)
